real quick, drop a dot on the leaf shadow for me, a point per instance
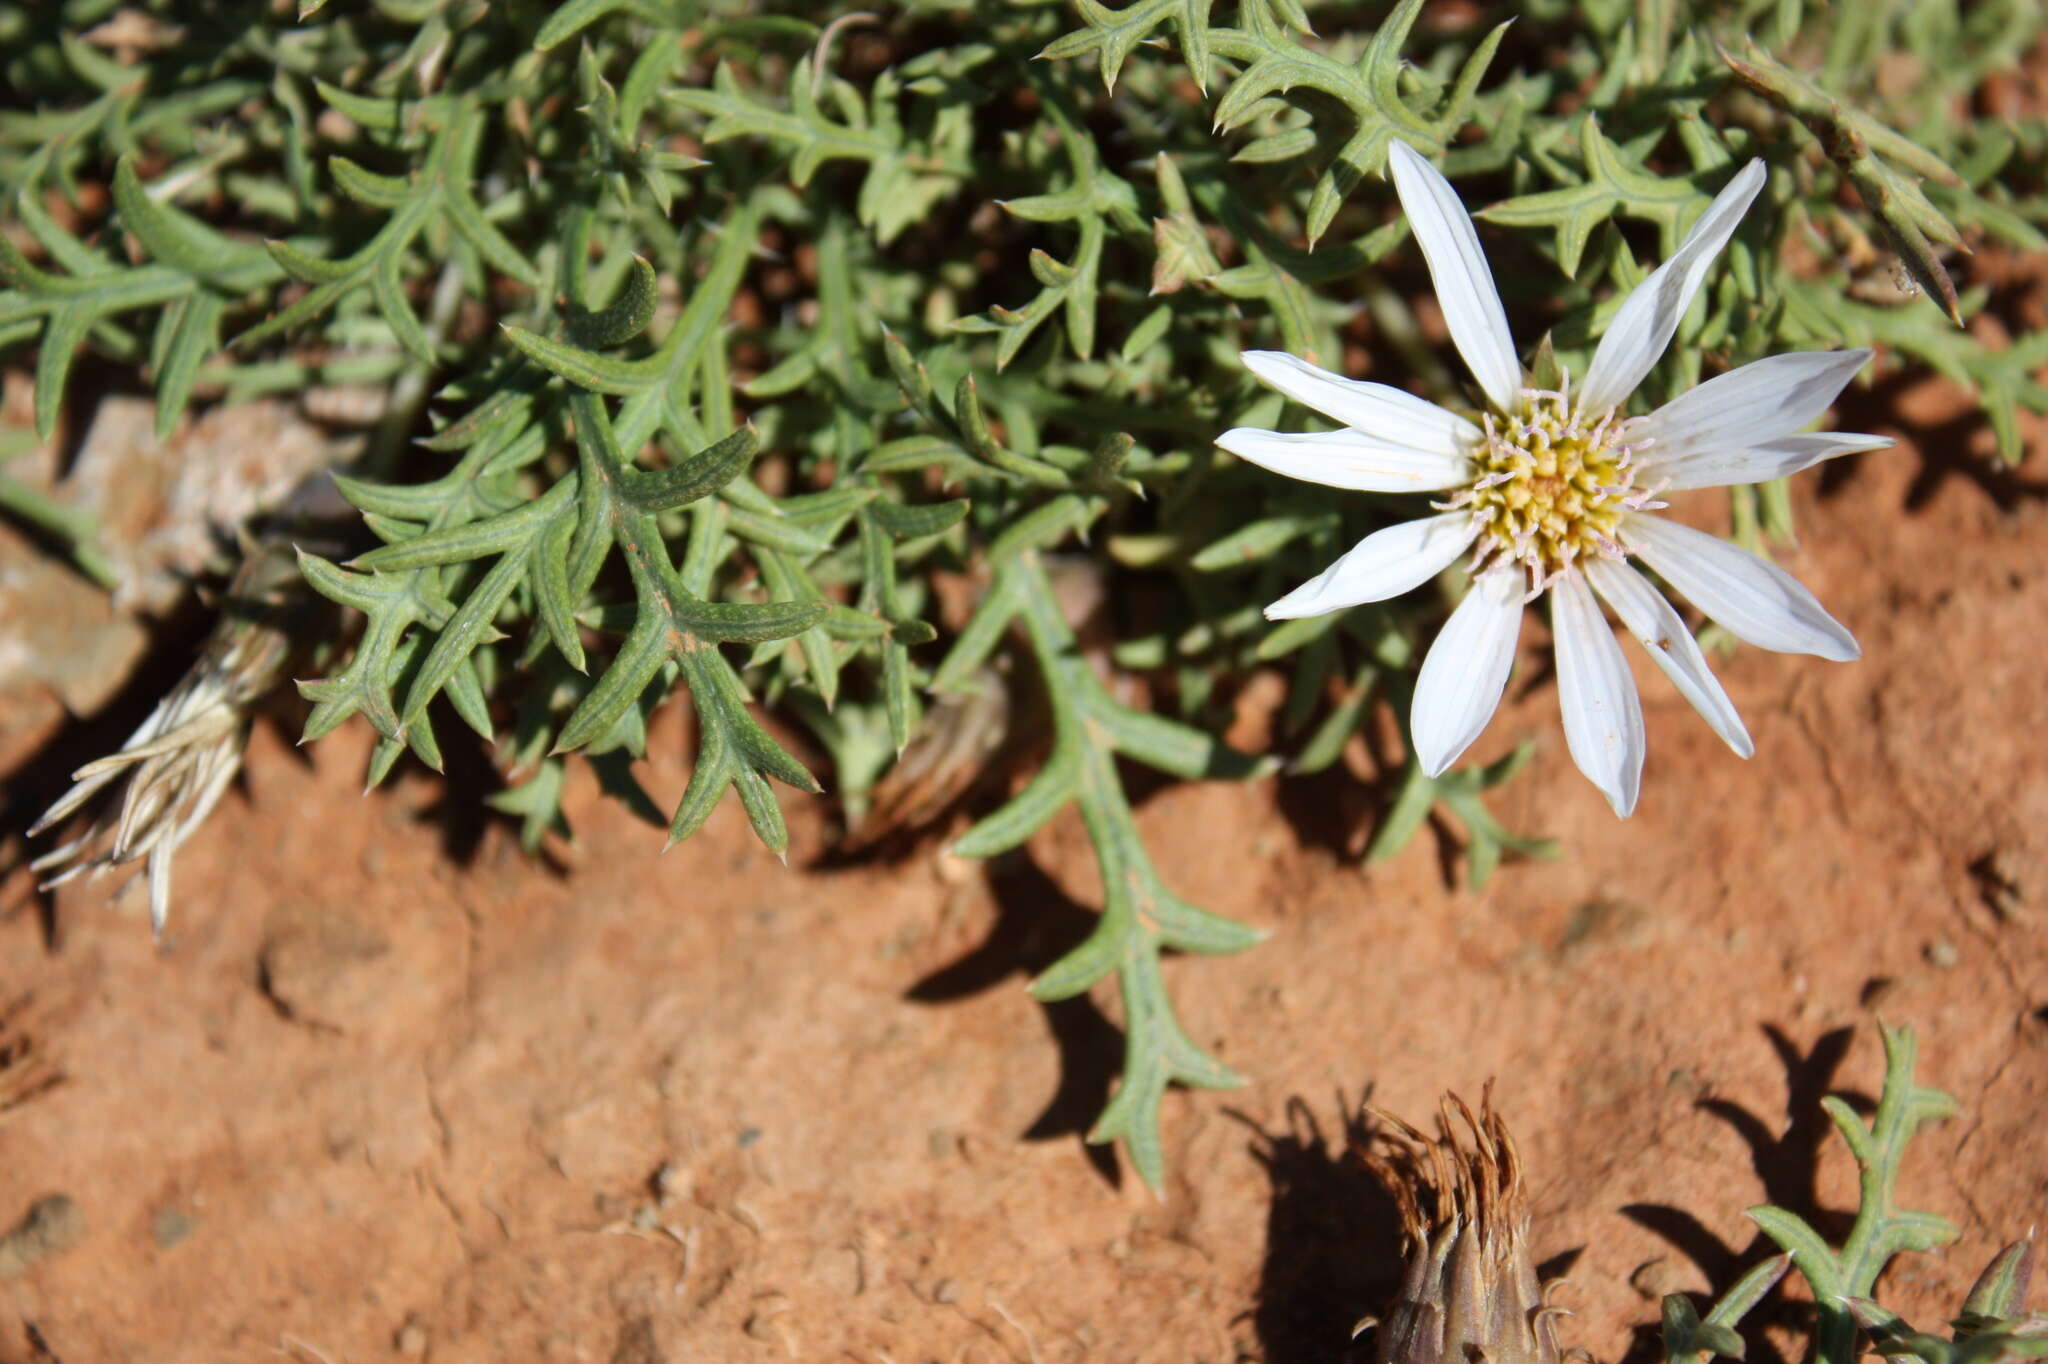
(467, 780)
(1942, 447)
(1036, 924)
(1788, 1163)
(1334, 809)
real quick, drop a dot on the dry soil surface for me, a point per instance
(388, 1088)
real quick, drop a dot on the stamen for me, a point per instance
(1552, 484)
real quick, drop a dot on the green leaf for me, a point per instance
(905, 176)
(1610, 186)
(580, 366)
(2000, 1291)
(912, 523)
(472, 539)
(441, 188)
(1686, 1335)
(537, 802)
(71, 308)
(1865, 149)
(565, 21)
(74, 528)
(699, 476)
(191, 331)
(625, 317)
(1881, 1229)
(749, 623)
(1140, 917)
(1689, 1340)
(620, 685)
(176, 239)
(366, 187)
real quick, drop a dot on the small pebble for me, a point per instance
(53, 1225)
(171, 1226)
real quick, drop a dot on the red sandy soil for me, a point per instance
(391, 1089)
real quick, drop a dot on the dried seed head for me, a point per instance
(174, 769)
(1470, 1290)
(953, 749)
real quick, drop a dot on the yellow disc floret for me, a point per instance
(1551, 485)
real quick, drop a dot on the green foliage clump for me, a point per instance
(745, 329)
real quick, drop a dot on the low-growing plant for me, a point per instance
(1993, 1322)
(782, 356)
(1470, 1288)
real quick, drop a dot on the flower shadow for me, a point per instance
(1943, 448)
(1333, 1237)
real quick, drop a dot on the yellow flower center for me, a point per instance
(1551, 484)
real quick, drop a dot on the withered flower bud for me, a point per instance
(1994, 1326)
(1470, 1292)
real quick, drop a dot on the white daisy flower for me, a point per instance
(1557, 489)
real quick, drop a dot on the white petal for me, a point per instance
(1650, 314)
(1603, 720)
(1755, 600)
(1384, 564)
(1347, 459)
(1656, 625)
(1466, 669)
(1780, 458)
(1760, 402)
(1464, 282)
(1384, 413)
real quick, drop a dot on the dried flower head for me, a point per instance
(178, 763)
(1470, 1290)
(952, 751)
